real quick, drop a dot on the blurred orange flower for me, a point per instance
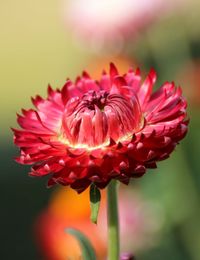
(123, 64)
(67, 209)
(189, 78)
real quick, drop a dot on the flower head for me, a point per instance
(126, 256)
(94, 131)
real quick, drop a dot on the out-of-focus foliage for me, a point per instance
(36, 49)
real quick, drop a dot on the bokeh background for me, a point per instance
(42, 43)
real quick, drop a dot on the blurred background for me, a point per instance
(47, 41)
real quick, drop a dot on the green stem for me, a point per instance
(113, 224)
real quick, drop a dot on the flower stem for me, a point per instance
(113, 223)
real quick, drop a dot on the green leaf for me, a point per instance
(95, 197)
(88, 252)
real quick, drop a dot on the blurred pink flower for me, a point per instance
(112, 22)
(140, 221)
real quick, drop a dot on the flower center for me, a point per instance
(90, 121)
(93, 98)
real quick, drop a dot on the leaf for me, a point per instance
(95, 197)
(88, 252)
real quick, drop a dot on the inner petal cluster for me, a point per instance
(92, 120)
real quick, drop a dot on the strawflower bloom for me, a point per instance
(94, 131)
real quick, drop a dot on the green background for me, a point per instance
(37, 49)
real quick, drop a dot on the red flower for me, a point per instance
(94, 131)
